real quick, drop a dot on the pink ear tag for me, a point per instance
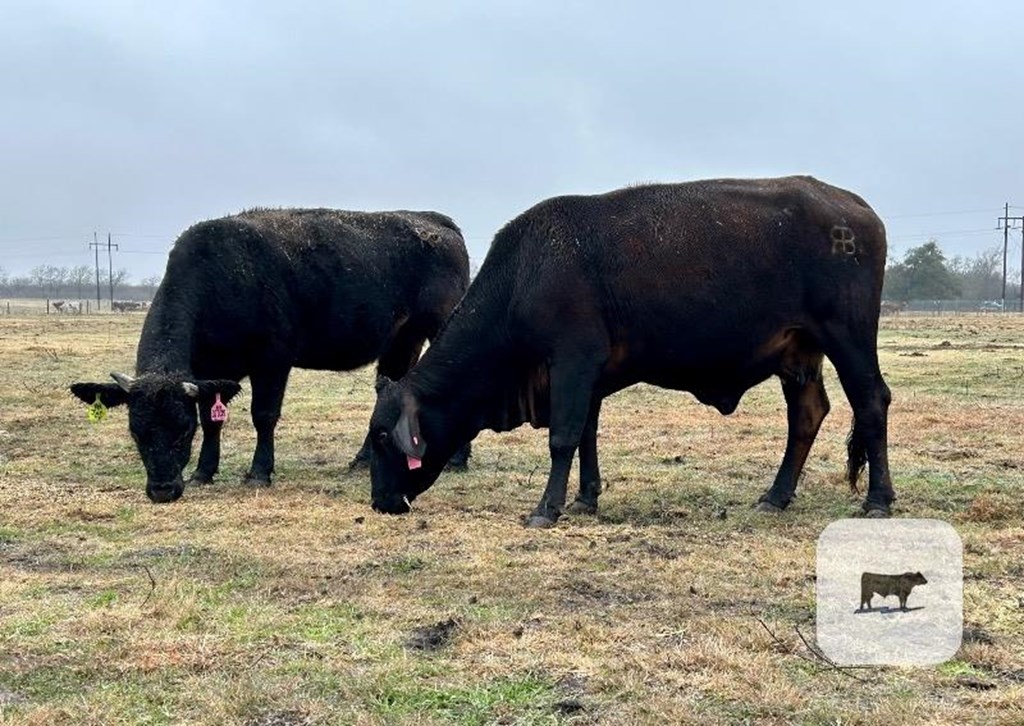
(219, 412)
(412, 461)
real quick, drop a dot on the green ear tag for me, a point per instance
(97, 411)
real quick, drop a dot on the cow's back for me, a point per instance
(319, 288)
(693, 277)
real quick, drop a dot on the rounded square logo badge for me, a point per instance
(889, 592)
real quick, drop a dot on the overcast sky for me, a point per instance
(142, 118)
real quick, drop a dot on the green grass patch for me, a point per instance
(529, 699)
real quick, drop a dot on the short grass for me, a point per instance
(296, 604)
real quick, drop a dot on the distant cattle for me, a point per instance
(892, 308)
(264, 291)
(129, 306)
(67, 306)
(709, 287)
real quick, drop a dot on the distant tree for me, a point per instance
(79, 277)
(39, 276)
(981, 276)
(120, 276)
(922, 275)
(150, 284)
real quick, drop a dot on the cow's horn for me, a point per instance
(190, 388)
(123, 380)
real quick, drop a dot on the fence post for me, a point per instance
(47, 306)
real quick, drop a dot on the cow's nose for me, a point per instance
(163, 492)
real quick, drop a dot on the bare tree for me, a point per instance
(79, 277)
(120, 276)
(980, 276)
(150, 284)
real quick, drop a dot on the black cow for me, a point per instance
(709, 287)
(871, 583)
(264, 291)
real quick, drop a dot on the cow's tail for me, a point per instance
(856, 454)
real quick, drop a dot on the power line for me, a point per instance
(946, 233)
(146, 236)
(937, 214)
(39, 239)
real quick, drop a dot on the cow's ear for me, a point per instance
(227, 389)
(110, 394)
(407, 430)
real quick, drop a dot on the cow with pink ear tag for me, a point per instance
(259, 293)
(709, 287)
(163, 412)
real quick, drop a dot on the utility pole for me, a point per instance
(96, 246)
(1007, 221)
(110, 261)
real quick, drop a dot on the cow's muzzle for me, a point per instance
(392, 505)
(163, 492)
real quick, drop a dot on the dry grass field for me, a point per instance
(297, 604)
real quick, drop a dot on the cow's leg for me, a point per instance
(869, 396)
(590, 474)
(572, 385)
(806, 407)
(267, 396)
(209, 454)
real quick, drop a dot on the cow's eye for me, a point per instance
(382, 436)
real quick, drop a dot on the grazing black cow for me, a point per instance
(264, 291)
(871, 583)
(709, 287)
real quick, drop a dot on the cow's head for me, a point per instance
(917, 578)
(409, 452)
(162, 420)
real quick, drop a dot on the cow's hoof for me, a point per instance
(874, 510)
(581, 507)
(768, 508)
(359, 464)
(537, 521)
(200, 480)
(252, 480)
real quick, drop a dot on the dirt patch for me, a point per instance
(41, 557)
(433, 637)
(280, 718)
(953, 454)
(991, 508)
(10, 698)
(584, 593)
(184, 549)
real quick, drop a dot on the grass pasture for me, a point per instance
(297, 604)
